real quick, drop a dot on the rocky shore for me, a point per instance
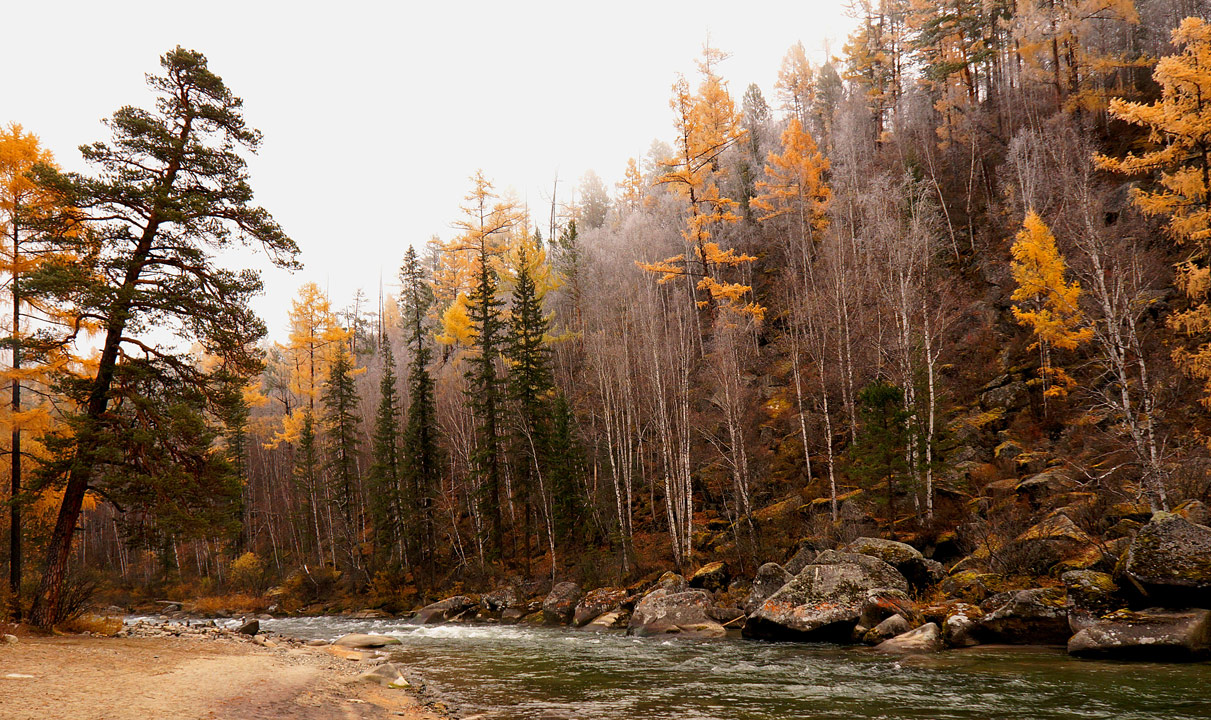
(1147, 598)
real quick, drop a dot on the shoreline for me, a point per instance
(181, 672)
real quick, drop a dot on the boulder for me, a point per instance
(925, 639)
(1152, 634)
(770, 578)
(444, 610)
(886, 630)
(596, 603)
(252, 627)
(1054, 541)
(501, 599)
(560, 604)
(388, 675)
(824, 601)
(803, 557)
(960, 624)
(1169, 563)
(368, 614)
(1043, 485)
(669, 582)
(362, 640)
(725, 615)
(683, 614)
(969, 585)
(10, 639)
(1030, 617)
(1195, 511)
(919, 572)
(606, 621)
(1090, 595)
(882, 603)
(711, 577)
(1011, 396)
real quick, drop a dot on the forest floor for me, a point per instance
(143, 678)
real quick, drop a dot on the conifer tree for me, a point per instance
(1050, 302)
(1179, 126)
(423, 460)
(878, 450)
(171, 192)
(306, 474)
(341, 422)
(385, 478)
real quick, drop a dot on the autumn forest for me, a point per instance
(946, 284)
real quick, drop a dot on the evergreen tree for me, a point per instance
(386, 471)
(307, 476)
(170, 193)
(341, 421)
(878, 453)
(565, 465)
(529, 385)
(423, 461)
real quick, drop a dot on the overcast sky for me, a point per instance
(375, 114)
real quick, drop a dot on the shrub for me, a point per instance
(247, 573)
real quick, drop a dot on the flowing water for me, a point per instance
(513, 672)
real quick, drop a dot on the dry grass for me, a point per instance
(89, 623)
(234, 603)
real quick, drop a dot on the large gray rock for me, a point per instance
(606, 621)
(803, 557)
(886, 630)
(925, 639)
(1169, 563)
(363, 640)
(882, 603)
(905, 558)
(770, 578)
(1054, 541)
(1090, 595)
(252, 627)
(560, 604)
(670, 582)
(1153, 634)
(683, 614)
(597, 603)
(711, 577)
(959, 626)
(824, 601)
(501, 599)
(444, 610)
(1029, 617)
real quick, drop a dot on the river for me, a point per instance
(516, 673)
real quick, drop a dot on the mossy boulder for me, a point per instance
(919, 571)
(1168, 564)
(684, 614)
(770, 578)
(824, 601)
(711, 577)
(596, 603)
(970, 585)
(444, 610)
(1038, 616)
(1055, 541)
(1090, 595)
(1153, 634)
(560, 603)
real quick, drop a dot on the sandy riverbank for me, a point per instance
(182, 678)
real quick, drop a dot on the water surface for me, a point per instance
(516, 673)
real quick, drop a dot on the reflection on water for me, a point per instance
(511, 672)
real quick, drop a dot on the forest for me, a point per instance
(947, 285)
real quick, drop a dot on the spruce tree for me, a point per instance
(423, 460)
(341, 419)
(484, 394)
(386, 471)
(529, 384)
(878, 452)
(306, 477)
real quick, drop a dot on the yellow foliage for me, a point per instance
(456, 324)
(631, 188)
(796, 183)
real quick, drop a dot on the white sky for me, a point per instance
(374, 114)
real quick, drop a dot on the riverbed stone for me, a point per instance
(365, 640)
(443, 610)
(598, 602)
(560, 604)
(1090, 594)
(905, 558)
(1037, 616)
(251, 627)
(1168, 564)
(606, 621)
(959, 626)
(501, 599)
(770, 578)
(883, 603)
(711, 577)
(886, 630)
(1151, 634)
(923, 640)
(388, 675)
(670, 582)
(824, 601)
(683, 614)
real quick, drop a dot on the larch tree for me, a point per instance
(1179, 126)
(171, 192)
(1049, 301)
(630, 190)
(23, 205)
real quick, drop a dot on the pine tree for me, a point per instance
(878, 450)
(306, 475)
(170, 193)
(565, 467)
(341, 420)
(385, 479)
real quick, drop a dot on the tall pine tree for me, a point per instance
(386, 471)
(341, 419)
